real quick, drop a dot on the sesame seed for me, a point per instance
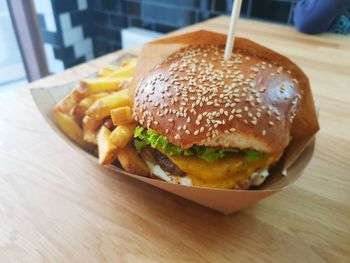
(254, 69)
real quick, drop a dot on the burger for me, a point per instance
(205, 121)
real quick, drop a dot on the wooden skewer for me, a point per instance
(236, 9)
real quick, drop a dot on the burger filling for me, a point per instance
(205, 166)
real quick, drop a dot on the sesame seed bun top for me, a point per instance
(195, 97)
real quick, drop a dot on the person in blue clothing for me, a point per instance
(318, 16)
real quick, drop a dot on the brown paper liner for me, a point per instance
(226, 201)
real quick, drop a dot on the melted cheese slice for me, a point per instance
(227, 172)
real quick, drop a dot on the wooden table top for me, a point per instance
(57, 206)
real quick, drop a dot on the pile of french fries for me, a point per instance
(98, 113)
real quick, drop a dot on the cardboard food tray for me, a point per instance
(225, 201)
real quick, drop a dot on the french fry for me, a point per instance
(96, 85)
(102, 107)
(119, 71)
(90, 127)
(99, 95)
(106, 149)
(131, 161)
(125, 71)
(129, 61)
(81, 108)
(107, 70)
(121, 116)
(122, 135)
(108, 124)
(69, 127)
(68, 103)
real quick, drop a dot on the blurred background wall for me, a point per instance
(75, 31)
(11, 67)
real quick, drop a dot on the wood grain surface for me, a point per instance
(57, 206)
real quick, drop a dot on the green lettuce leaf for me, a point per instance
(207, 153)
(252, 155)
(144, 138)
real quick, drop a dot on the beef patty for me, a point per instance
(166, 164)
